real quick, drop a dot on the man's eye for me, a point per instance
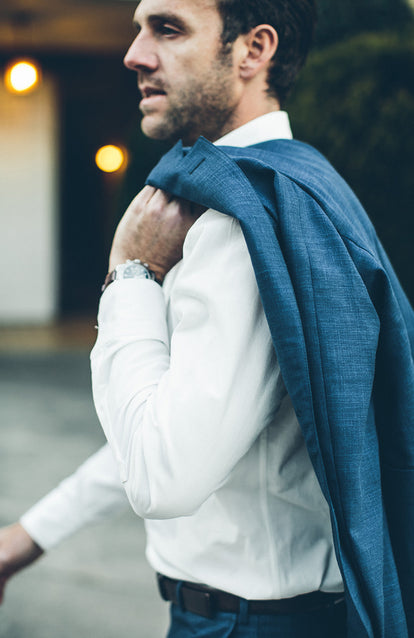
(166, 29)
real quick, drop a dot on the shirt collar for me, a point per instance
(274, 125)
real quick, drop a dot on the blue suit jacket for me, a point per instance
(343, 332)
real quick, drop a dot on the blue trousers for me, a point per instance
(326, 623)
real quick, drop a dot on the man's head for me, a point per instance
(207, 66)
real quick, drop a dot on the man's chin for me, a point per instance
(156, 129)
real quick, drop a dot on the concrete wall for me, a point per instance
(28, 205)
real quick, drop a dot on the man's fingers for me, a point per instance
(152, 196)
(149, 201)
(160, 200)
(144, 196)
(148, 193)
(152, 201)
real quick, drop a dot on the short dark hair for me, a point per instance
(294, 21)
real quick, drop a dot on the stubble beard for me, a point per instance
(204, 106)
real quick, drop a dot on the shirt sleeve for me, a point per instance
(179, 411)
(92, 494)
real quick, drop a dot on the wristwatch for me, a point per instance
(131, 269)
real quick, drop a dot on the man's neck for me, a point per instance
(245, 115)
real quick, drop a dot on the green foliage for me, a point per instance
(355, 103)
(345, 18)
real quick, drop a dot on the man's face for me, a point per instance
(187, 82)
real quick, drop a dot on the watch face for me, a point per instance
(131, 271)
(134, 271)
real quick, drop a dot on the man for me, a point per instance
(186, 381)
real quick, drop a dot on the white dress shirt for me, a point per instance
(204, 436)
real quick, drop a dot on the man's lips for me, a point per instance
(148, 92)
(151, 95)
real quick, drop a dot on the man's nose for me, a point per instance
(140, 56)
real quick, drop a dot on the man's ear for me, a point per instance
(261, 44)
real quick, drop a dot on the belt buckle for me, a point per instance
(198, 602)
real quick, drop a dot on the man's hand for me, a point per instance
(153, 230)
(17, 550)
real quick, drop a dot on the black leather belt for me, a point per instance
(206, 601)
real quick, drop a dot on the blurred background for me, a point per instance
(64, 99)
(58, 210)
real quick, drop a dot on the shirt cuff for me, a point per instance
(133, 308)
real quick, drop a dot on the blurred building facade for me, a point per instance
(55, 205)
(28, 204)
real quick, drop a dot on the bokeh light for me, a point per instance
(22, 76)
(111, 158)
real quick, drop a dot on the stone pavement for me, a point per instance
(96, 584)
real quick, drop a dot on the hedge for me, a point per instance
(355, 102)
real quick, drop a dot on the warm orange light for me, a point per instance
(111, 158)
(22, 76)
